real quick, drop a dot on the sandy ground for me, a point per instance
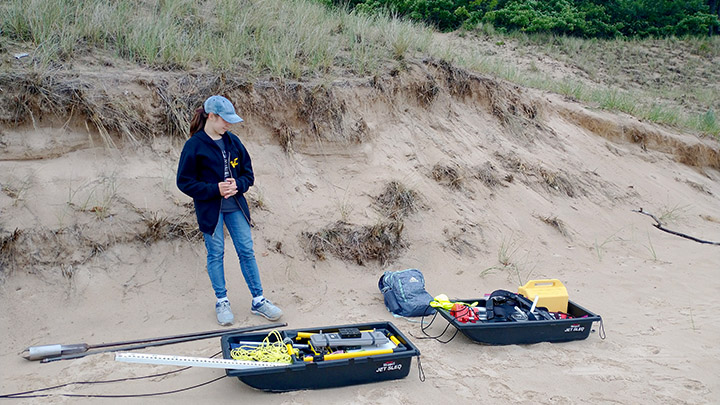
(656, 292)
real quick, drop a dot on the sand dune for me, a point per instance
(511, 185)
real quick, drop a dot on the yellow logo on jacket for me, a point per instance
(234, 162)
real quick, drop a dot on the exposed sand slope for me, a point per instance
(500, 171)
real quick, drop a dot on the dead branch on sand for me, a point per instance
(659, 226)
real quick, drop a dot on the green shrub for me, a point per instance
(582, 18)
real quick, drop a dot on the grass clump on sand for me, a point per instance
(397, 201)
(381, 242)
(161, 227)
(8, 252)
(448, 175)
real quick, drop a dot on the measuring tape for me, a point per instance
(193, 361)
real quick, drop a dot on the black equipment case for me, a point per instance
(508, 332)
(300, 375)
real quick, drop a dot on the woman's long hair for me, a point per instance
(198, 120)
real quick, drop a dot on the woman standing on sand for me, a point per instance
(215, 170)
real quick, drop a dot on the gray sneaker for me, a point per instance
(224, 313)
(267, 309)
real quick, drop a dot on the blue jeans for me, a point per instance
(239, 230)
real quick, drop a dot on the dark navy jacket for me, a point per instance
(201, 169)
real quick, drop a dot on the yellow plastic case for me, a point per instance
(551, 292)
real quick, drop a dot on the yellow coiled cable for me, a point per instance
(274, 352)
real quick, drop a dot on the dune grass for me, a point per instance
(644, 104)
(304, 39)
(661, 80)
(279, 38)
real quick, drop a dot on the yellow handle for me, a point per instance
(550, 281)
(291, 351)
(339, 356)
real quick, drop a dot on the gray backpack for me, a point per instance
(404, 293)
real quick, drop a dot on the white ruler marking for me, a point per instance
(192, 361)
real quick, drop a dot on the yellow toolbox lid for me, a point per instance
(551, 294)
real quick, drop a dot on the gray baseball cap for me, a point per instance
(223, 107)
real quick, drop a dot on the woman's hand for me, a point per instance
(228, 188)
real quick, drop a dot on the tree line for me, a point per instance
(580, 18)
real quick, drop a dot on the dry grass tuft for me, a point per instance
(256, 201)
(320, 109)
(508, 105)
(66, 248)
(448, 176)
(38, 250)
(426, 91)
(397, 201)
(548, 179)
(16, 188)
(557, 224)
(557, 182)
(165, 228)
(488, 175)
(274, 246)
(180, 98)
(359, 131)
(43, 248)
(8, 252)
(11, 191)
(381, 242)
(285, 137)
(458, 80)
(28, 96)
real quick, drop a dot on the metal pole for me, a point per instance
(49, 353)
